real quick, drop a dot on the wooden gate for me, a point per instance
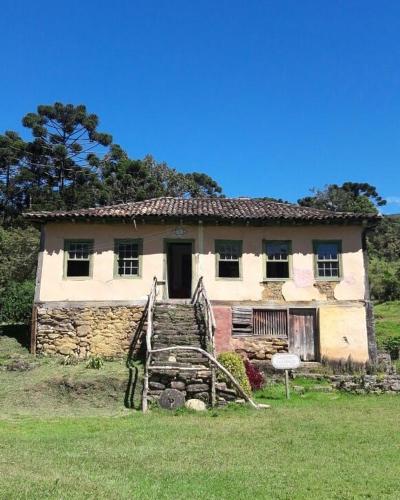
(303, 339)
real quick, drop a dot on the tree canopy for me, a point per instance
(358, 197)
(69, 163)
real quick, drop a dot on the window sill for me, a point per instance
(336, 280)
(77, 278)
(127, 277)
(218, 278)
(275, 280)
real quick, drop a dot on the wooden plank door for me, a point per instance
(303, 334)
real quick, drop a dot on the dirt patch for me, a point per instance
(18, 365)
(100, 388)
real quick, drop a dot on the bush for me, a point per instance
(392, 345)
(16, 302)
(234, 364)
(256, 378)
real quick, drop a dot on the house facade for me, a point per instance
(280, 277)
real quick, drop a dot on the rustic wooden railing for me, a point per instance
(199, 297)
(149, 333)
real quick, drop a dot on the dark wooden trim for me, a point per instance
(33, 329)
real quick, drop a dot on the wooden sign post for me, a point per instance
(285, 361)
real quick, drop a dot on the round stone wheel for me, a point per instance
(171, 399)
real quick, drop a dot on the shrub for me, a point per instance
(384, 279)
(256, 378)
(18, 255)
(392, 345)
(234, 364)
(95, 362)
(16, 302)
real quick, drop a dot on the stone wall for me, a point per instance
(272, 290)
(85, 331)
(262, 348)
(327, 288)
(367, 384)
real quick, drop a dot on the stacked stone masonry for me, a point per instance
(187, 371)
(364, 384)
(262, 348)
(87, 331)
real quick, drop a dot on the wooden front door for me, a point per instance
(303, 339)
(179, 266)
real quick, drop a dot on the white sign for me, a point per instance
(284, 361)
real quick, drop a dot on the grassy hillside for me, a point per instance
(387, 316)
(44, 386)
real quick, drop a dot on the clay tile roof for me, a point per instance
(222, 209)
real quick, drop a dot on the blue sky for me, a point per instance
(270, 98)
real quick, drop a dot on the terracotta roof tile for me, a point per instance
(223, 209)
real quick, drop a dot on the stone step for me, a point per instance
(183, 356)
(174, 339)
(176, 324)
(168, 305)
(170, 325)
(176, 333)
(179, 322)
(177, 364)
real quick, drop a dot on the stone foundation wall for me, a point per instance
(367, 384)
(85, 331)
(262, 348)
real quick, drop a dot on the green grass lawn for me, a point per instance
(66, 433)
(323, 447)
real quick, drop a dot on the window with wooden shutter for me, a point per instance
(248, 321)
(272, 323)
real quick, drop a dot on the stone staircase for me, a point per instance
(180, 355)
(176, 324)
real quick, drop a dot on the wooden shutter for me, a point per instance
(269, 322)
(242, 320)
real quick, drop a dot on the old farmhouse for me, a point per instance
(278, 276)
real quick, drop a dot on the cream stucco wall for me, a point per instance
(343, 332)
(102, 286)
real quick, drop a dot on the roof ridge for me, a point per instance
(257, 209)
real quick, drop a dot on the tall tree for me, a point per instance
(66, 151)
(70, 164)
(358, 197)
(12, 149)
(134, 180)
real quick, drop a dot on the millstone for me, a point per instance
(171, 399)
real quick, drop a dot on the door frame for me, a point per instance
(317, 338)
(166, 242)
